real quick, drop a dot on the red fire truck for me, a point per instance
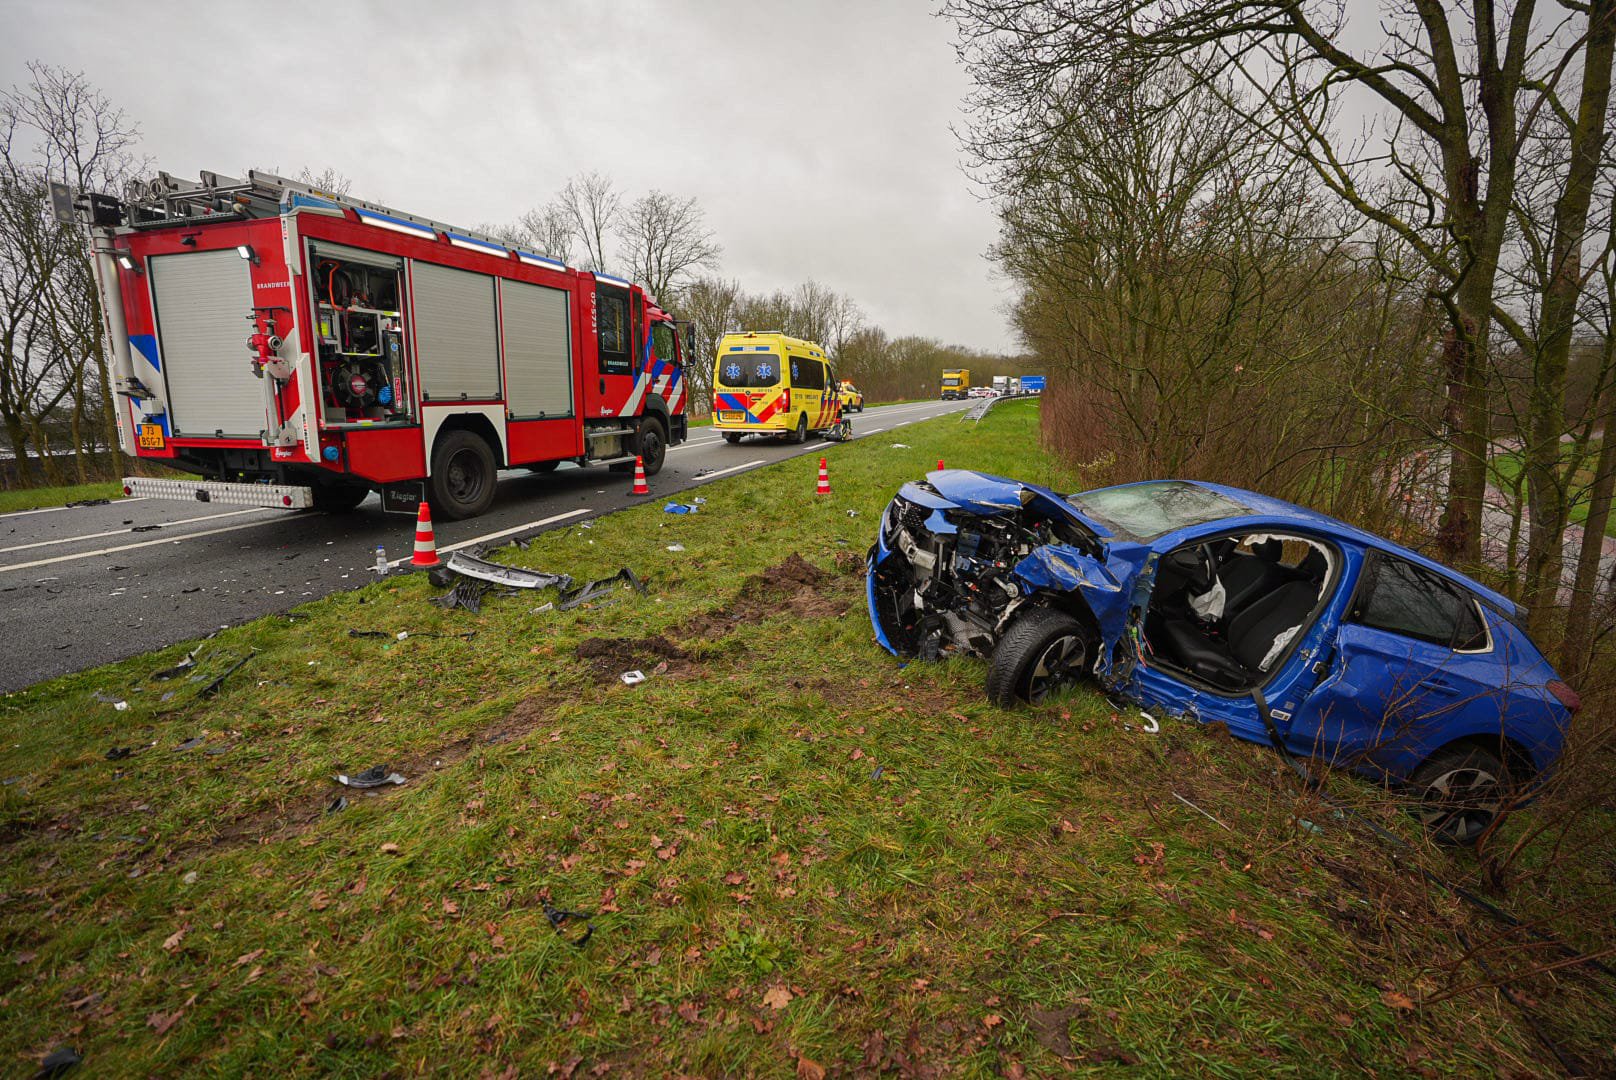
(297, 348)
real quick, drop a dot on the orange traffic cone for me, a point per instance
(824, 479)
(640, 486)
(426, 548)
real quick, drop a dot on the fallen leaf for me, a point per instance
(668, 852)
(173, 940)
(992, 1020)
(252, 976)
(734, 877)
(689, 1011)
(389, 848)
(1396, 999)
(1067, 826)
(248, 957)
(451, 908)
(777, 997)
(809, 1069)
(857, 754)
(319, 901)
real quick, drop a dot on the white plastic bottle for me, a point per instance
(381, 561)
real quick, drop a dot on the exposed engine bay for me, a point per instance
(952, 579)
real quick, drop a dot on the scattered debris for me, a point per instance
(111, 699)
(559, 918)
(851, 513)
(901, 446)
(189, 744)
(145, 528)
(633, 678)
(679, 508)
(178, 669)
(548, 605)
(373, 777)
(1151, 726)
(190, 878)
(63, 1058)
(1203, 813)
(594, 590)
(676, 547)
(118, 753)
(468, 594)
(337, 805)
(513, 577)
(368, 633)
(213, 687)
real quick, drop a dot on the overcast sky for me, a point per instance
(815, 134)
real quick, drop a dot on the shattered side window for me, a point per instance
(1145, 511)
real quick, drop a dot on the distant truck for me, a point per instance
(1001, 384)
(956, 384)
(1015, 385)
(1032, 384)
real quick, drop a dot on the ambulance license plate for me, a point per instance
(732, 417)
(151, 436)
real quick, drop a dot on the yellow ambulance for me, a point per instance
(768, 383)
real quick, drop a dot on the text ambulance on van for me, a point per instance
(773, 384)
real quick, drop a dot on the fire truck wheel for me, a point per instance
(544, 467)
(653, 445)
(462, 476)
(339, 498)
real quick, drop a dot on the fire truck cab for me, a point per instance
(297, 348)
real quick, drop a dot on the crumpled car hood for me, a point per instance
(984, 493)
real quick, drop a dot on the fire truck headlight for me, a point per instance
(246, 252)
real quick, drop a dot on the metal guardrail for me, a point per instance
(980, 409)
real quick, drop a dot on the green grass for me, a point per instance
(35, 498)
(785, 817)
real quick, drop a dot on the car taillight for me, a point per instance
(1565, 695)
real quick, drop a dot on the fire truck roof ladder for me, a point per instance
(167, 200)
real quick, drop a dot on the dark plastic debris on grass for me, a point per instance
(213, 687)
(178, 669)
(111, 699)
(512, 577)
(559, 920)
(373, 777)
(90, 502)
(594, 590)
(337, 805)
(118, 753)
(63, 1058)
(188, 744)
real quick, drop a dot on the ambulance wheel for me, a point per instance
(801, 434)
(339, 498)
(462, 483)
(732, 437)
(653, 445)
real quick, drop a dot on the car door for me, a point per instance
(1410, 666)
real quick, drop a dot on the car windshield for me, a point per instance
(1145, 511)
(748, 369)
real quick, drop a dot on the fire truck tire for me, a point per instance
(801, 434)
(339, 498)
(653, 445)
(463, 476)
(732, 437)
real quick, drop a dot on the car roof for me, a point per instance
(1267, 510)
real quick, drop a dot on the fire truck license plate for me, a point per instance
(151, 436)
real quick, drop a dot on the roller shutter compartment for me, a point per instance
(538, 353)
(203, 299)
(456, 333)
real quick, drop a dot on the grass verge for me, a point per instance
(797, 853)
(40, 497)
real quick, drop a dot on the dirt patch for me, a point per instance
(608, 658)
(793, 586)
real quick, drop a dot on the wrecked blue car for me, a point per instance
(1215, 604)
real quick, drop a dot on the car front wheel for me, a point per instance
(1461, 791)
(1044, 651)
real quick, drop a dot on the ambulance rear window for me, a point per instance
(748, 369)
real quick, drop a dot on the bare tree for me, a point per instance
(1440, 173)
(57, 127)
(592, 206)
(664, 239)
(549, 231)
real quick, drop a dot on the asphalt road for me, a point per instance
(82, 586)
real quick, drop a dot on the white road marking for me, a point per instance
(131, 547)
(445, 549)
(53, 509)
(732, 468)
(130, 529)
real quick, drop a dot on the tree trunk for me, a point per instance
(1579, 615)
(1547, 483)
(1468, 423)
